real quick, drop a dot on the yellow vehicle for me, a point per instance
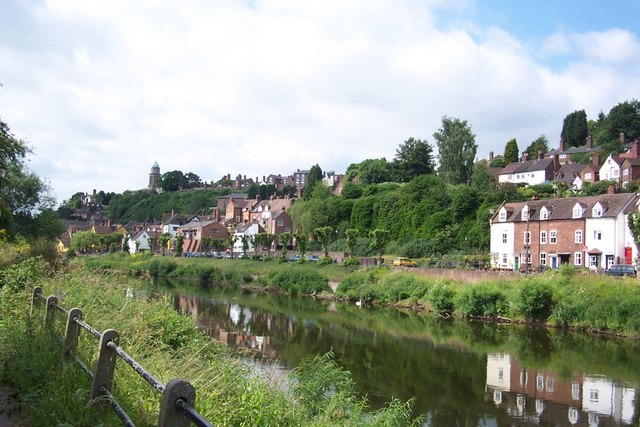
(404, 262)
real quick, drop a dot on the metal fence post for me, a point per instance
(170, 416)
(106, 364)
(35, 300)
(49, 310)
(72, 331)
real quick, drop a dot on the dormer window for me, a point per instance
(597, 210)
(578, 210)
(502, 216)
(544, 213)
(525, 213)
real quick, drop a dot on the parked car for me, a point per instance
(313, 258)
(621, 270)
(404, 262)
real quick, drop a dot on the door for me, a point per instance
(554, 262)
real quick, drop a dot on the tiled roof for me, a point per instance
(563, 208)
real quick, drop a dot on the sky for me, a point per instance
(102, 90)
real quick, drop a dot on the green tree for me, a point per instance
(179, 244)
(245, 240)
(498, 162)
(511, 151)
(163, 239)
(173, 181)
(285, 240)
(540, 145)
(315, 175)
(622, 118)
(301, 243)
(456, 150)
(192, 180)
(574, 129)
(379, 240)
(84, 241)
(414, 157)
(351, 235)
(323, 236)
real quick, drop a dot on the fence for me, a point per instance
(178, 396)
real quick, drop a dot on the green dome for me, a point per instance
(155, 165)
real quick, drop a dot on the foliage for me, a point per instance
(323, 236)
(539, 146)
(369, 171)
(379, 239)
(536, 301)
(456, 150)
(315, 176)
(299, 281)
(484, 300)
(511, 152)
(622, 118)
(441, 298)
(179, 245)
(574, 129)
(413, 158)
(351, 235)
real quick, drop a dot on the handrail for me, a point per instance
(178, 396)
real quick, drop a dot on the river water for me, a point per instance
(458, 372)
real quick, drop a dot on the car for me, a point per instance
(313, 258)
(621, 270)
(404, 262)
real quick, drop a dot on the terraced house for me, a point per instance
(587, 232)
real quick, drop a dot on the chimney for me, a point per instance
(611, 189)
(561, 144)
(590, 141)
(264, 178)
(258, 197)
(525, 156)
(556, 162)
(490, 155)
(622, 138)
(540, 156)
(596, 159)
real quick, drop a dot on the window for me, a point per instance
(625, 172)
(577, 211)
(553, 237)
(594, 395)
(543, 258)
(525, 213)
(544, 213)
(503, 215)
(550, 384)
(578, 238)
(279, 223)
(587, 175)
(539, 382)
(505, 237)
(597, 211)
(543, 237)
(527, 237)
(593, 260)
(616, 172)
(504, 258)
(597, 235)
(575, 390)
(577, 258)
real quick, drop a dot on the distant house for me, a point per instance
(195, 231)
(530, 172)
(139, 242)
(174, 221)
(630, 171)
(248, 229)
(571, 175)
(611, 169)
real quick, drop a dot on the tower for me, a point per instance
(154, 177)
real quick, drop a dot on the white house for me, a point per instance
(248, 229)
(139, 242)
(611, 169)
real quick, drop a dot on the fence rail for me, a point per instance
(177, 397)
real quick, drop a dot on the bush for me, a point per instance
(325, 260)
(441, 298)
(482, 300)
(351, 262)
(298, 281)
(536, 301)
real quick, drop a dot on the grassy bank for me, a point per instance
(169, 346)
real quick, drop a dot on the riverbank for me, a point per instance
(560, 298)
(168, 345)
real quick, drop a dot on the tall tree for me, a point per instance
(456, 150)
(315, 175)
(511, 151)
(414, 157)
(540, 145)
(323, 236)
(574, 129)
(379, 239)
(623, 118)
(173, 181)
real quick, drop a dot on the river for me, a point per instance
(458, 372)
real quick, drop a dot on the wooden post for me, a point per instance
(72, 331)
(170, 416)
(105, 366)
(49, 310)
(35, 300)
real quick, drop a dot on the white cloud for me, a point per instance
(102, 90)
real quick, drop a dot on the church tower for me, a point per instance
(154, 177)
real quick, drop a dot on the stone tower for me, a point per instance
(154, 177)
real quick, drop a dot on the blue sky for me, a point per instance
(101, 90)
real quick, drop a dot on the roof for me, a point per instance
(568, 172)
(527, 166)
(632, 162)
(244, 227)
(563, 208)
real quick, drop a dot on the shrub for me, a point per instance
(351, 262)
(298, 281)
(441, 298)
(482, 300)
(536, 301)
(325, 260)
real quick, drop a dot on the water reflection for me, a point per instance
(460, 373)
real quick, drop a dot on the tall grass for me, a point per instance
(169, 346)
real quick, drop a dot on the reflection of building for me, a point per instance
(543, 397)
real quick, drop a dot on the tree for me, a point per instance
(372, 171)
(285, 239)
(163, 240)
(414, 157)
(379, 240)
(574, 129)
(192, 180)
(179, 243)
(83, 241)
(323, 236)
(301, 243)
(315, 175)
(622, 118)
(456, 150)
(511, 151)
(540, 145)
(351, 235)
(173, 181)
(245, 240)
